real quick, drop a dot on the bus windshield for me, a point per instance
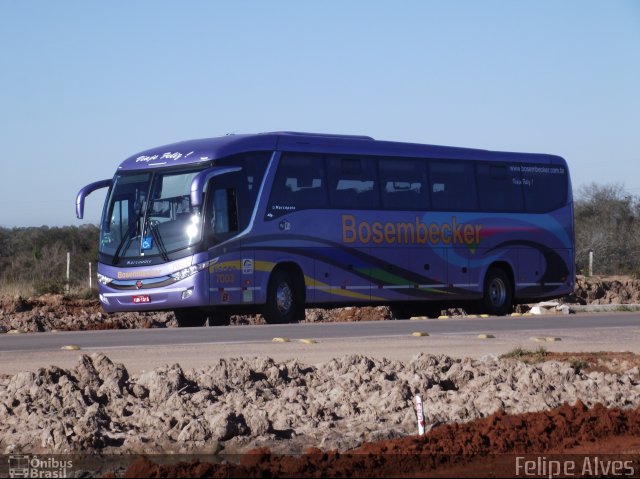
(150, 214)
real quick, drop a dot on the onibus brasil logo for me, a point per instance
(25, 465)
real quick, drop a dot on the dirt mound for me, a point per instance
(238, 404)
(349, 314)
(49, 312)
(606, 290)
(57, 312)
(476, 448)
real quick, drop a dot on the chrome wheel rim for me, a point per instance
(497, 292)
(284, 298)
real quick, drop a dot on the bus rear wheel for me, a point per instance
(498, 293)
(190, 317)
(284, 304)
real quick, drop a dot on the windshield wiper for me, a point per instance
(158, 239)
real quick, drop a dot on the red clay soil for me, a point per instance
(484, 448)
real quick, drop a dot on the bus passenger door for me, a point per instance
(221, 224)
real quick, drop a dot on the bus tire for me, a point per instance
(190, 317)
(284, 302)
(498, 293)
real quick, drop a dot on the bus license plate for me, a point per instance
(144, 298)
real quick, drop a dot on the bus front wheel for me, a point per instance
(284, 304)
(498, 293)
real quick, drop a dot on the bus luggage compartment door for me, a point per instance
(225, 281)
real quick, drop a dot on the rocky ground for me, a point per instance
(605, 290)
(264, 408)
(235, 405)
(57, 312)
(563, 437)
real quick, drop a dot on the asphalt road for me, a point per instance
(318, 331)
(193, 347)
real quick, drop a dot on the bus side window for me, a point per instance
(499, 187)
(403, 183)
(353, 183)
(453, 185)
(299, 185)
(248, 181)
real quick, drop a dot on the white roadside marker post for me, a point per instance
(68, 271)
(420, 415)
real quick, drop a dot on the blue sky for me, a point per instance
(86, 84)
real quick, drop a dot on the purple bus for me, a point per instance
(275, 222)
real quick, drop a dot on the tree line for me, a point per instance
(36, 257)
(607, 222)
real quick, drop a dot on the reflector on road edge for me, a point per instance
(552, 339)
(280, 340)
(486, 336)
(516, 314)
(419, 333)
(484, 315)
(444, 317)
(418, 318)
(70, 347)
(471, 316)
(308, 341)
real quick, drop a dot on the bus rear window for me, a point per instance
(544, 186)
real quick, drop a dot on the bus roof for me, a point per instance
(206, 150)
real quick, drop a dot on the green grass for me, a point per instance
(16, 289)
(578, 364)
(520, 353)
(626, 309)
(30, 290)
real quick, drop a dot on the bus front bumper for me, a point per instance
(187, 293)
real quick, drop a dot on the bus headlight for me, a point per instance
(102, 279)
(192, 231)
(190, 271)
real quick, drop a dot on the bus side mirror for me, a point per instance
(200, 181)
(86, 191)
